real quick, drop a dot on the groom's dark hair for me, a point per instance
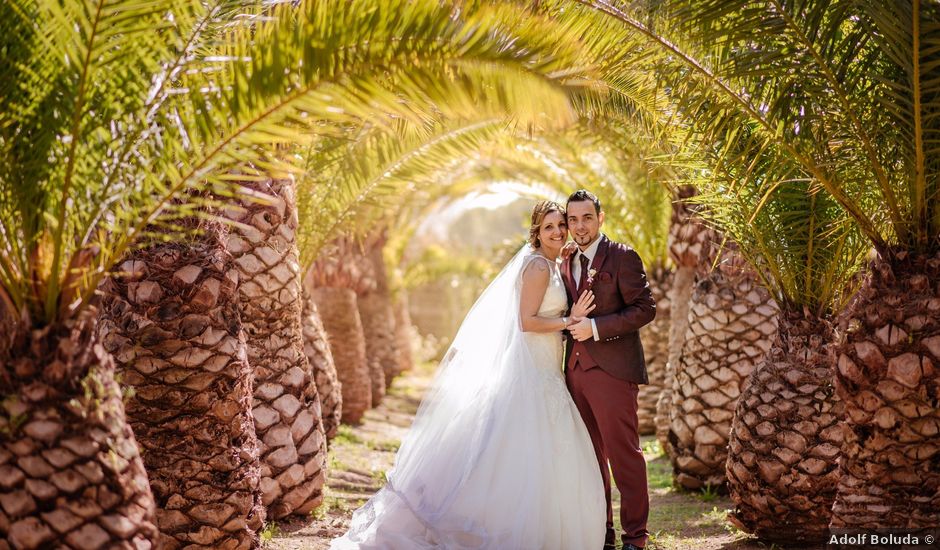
(585, 195)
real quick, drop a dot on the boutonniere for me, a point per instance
(590, 278)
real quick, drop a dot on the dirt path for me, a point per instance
(360, 456)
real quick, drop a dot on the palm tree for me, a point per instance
(93, 157)
(334, 280)
(689, 249)
(646, 229)
(373, 316)
(786, 436)
(110, 113)
(732, 323)
(375, 309)
(320, 357)
(287, 409)
(846, 91)
(354, 182)
(404, 333)
(176, 336)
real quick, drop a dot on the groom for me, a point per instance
(604, 359)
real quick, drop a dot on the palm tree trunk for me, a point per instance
(691, 248)
(317, 349)
(680, 296)
(404, 353)
(287, 407)
(172, 322)
(655, 337)
(732, 323)
(375, 314)
(341, 320)
(70, 470)
(889, 380)
(378, 318)
(786, 437)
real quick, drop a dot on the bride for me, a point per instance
(498, 456)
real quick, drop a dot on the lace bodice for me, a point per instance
(555, 301)
(547, 348)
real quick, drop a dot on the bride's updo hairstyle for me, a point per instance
(542, 209)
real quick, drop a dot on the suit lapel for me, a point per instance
(601, 254)
(568, 272)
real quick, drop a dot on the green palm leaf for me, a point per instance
(780, 108)
(112, 111)
(349, 187)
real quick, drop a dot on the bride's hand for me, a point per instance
(584, 305)
(568, 249)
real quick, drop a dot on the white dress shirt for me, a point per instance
(589, 252)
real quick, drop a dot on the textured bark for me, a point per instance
(732, 323)
(691, 242)
(378, 324)
(888, 377)
(655, 337)
(171, 320)
(680, 296)
(70, 472)
(317, 349)
(340, 275)
(786, 437)
(692, 248)
(375, 314)
(287, 407)
(404, 353)
(341, 320)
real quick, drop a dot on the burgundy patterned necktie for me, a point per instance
(582, 280)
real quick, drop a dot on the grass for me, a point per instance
(380, 476)
(346, 435)
(708, 493)
(680, 520)
(333, 502)
(270, 531)
(659, 474)
(346, 449)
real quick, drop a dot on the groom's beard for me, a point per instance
(584, 240)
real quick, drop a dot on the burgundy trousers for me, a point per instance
(608, 406)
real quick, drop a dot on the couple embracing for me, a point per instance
(532, 409)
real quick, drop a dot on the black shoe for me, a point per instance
(630, 547)
(610, 546)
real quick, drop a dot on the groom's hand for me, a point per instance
(582, 330)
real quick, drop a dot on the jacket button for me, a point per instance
(577, 353)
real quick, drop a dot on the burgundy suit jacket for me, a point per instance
(623, 304)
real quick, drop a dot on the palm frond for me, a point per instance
(613, 166)
(803, 246)
(114, 110)
(844, 89)
(347, 189)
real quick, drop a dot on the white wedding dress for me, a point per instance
(498, 457)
